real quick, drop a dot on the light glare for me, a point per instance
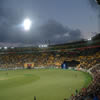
(43, 46)
(89, 39)
(5, 48)
(27, 24)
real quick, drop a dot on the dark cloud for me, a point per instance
(58, 33)
(12, 12)
(50, 31)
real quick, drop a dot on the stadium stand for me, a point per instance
(92, 92)
(87, 53)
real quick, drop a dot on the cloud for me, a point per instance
(50, 31)
(12, 12)
(56, 32)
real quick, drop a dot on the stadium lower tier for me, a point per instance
(49, 59)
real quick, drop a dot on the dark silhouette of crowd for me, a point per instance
(92, 92)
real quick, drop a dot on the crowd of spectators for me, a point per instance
(92, 92)
(89, 61)
(48, 59)
(39, 59)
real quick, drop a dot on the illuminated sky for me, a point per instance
(57, 21)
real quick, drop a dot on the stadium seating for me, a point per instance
(48, 59)
(89, 59)
(92, 92)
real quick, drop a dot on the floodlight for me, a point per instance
(5, 48)
(27, 24)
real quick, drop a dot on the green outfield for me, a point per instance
(45, 84)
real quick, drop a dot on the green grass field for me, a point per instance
(45, 84)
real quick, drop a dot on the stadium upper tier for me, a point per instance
(67, 47)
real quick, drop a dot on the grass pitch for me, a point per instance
(45, 84)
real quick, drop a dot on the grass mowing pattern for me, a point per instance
(45, 84)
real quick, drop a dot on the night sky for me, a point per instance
(55, 21)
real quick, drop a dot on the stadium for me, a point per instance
(42, 57)
(56, 72)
